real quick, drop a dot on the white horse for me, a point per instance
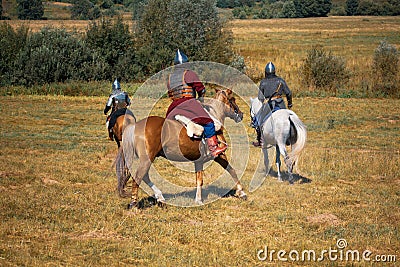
(281, 129)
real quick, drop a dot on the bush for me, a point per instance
(324, 72)
(52, 55)
(11, 43)
(385, 69)
(30, 9)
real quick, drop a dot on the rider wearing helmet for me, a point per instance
(271, 90)
(183, 85)
(118, 101)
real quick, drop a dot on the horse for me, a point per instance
(120, 124)
(282, 128)
(156, 136)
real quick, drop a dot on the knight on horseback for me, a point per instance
(118, 101)
(270, 92)
(183, 85)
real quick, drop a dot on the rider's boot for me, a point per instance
(110, 134)
(215, 150)
(259, 142)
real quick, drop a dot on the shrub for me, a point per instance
(11, 43)
(30, 9)
(385, 69)
(51, 55)
(324, 72)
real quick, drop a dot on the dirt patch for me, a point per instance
(328, 219)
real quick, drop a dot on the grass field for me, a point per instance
(57, 184)
(59, 206)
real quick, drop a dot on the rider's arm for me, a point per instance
(288, 94)
(261, 96)
(127, 99)
(108, 105)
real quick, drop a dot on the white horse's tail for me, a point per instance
(300, 140)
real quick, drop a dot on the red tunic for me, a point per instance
(189, 106)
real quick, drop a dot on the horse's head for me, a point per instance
(226, 97)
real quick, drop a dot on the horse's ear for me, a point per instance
(217, 89)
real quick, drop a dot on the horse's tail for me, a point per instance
(121, 171)
(125, 156)
(128, 144)
(298, 137)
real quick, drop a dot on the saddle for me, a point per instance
(193, 130)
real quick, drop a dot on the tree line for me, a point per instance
(263, 9)
(108, 49)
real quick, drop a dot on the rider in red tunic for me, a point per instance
(183, 85)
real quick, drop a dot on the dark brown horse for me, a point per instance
(159, 137)
(121, 122)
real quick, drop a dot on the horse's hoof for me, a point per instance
(199, 202)
(242, 195)
(132, 205)
(161, 204)
(124, 194)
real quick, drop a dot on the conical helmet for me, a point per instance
(116, 85)
(269, 68)
(180, 58)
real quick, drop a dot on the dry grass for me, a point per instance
(59, 206)
(286, 41)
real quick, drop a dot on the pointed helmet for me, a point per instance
(269, 68)
(116, 85)
(180, 58)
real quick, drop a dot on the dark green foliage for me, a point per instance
(11, 42)
(312, 8)
(385, 70)
(193, 27)
(85, 9)
(1, 9)
(234, 3)
(351, 7)
(30, 9)
(112, 41)
(321, 71)
(53, 55)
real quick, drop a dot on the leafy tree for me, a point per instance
(193, 27)
(85, 9)
(111, 40)
(11, 43)
(289, 10)
(312, 8)
(1, 9)
(351, 7)
(30, 9)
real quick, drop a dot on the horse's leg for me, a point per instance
(157, 192)
(278, 162)
(199, 184)
(223, 161)
(141, 172)
(288, 162)
(266, 160)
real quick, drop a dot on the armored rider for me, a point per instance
(118, 102)
(183, 85)
(270, 92)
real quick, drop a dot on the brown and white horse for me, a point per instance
(159, 137)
